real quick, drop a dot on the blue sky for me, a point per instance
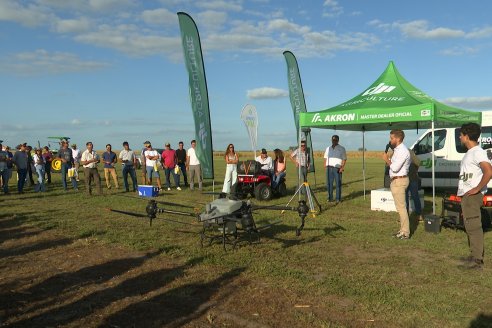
(113, 70)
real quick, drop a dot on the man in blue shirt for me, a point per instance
(110, 159)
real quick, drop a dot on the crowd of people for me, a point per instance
(71, 160)
(476, 172)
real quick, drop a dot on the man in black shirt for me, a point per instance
(181, 155)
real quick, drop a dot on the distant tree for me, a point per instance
(362, 149)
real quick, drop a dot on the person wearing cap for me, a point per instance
(39, 166)
(193, 166)
(4, 170)
(65, 155)
(76, 154)
(110, 159)
(266, 163)
(128, 158)
(20, 161)
(150, 159)
(335, 159)
(89, 160)
(169, 162)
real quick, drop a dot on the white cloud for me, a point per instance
(130, 40)
(267, 93)
(73, 25)
(29, 15)
(459, 51)
(419, 29)
(480, 33)
(220, 5)
(76, 121)
(470, 102)
(332, 8)
(285, 26)
(109, 5)
(211, 20)
(159, 16)
(44, 62)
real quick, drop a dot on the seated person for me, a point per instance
(280, 167)
(266, 163)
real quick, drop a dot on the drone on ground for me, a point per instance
(226, 219)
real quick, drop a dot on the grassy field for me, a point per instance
(345, 270)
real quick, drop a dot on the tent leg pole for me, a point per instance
(433, 174)
(364, 162)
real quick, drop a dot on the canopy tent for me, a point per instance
(391, 102)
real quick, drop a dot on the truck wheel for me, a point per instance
(263, 192)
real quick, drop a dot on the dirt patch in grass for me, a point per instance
(49, 280)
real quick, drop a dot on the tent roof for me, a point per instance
(390, 102)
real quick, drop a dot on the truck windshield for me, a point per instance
(424, 146)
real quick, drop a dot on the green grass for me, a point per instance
(345, 257)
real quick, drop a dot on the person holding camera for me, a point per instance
(475, 173)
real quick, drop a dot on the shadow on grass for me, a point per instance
(481, 321)
(175, 307)
(48, 290)
(275, 229)
(135, 286)
(38, 246)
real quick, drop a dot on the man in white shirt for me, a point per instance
(335, 159)
(266, 163)
(89, 160)
(128, 158)
(193, 167)
(398, 172)
(76, 160)
(475, 173)
(152, 158)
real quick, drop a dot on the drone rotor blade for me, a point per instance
(138, 215)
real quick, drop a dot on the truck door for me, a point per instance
(446, 169)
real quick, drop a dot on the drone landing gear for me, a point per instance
(229, 233)
(304, 208)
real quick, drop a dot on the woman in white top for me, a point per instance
(231, 159)
(39, 163)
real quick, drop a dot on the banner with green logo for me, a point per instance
(297, 101)
(192, 51)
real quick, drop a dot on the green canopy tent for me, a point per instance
(391, 102)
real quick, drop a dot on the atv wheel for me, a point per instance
(282, 189)
(263, 192)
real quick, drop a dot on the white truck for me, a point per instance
(448, 153)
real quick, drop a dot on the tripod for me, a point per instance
(303, 207)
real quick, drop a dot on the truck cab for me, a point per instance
(448, 153)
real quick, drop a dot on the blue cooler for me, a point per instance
(148, 191)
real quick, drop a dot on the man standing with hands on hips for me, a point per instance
(398, 172)
(335, 159)
(475, 173)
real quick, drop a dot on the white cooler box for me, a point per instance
(382, 200)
